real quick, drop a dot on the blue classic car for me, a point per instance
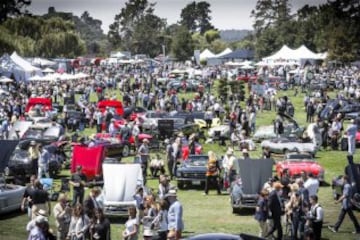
(192, 171)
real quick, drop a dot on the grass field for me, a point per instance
(213, 213)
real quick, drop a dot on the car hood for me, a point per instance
(297, 167)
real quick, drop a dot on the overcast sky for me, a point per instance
(226, 14)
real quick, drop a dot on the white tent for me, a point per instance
(48, 70)
(4, 79)
(226, 51)
(304, 53)
(117, 55)
(23, 70)
(206, 54)
(42, 62)
(283, 54)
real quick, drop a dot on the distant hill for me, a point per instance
(233, 35)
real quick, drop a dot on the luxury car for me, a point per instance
(291, 129)
(296, 163)
(192, 171)
(20, 163)
(222, 130)
(284, 145)
(73, 119)
(251, 176)
(10, 196)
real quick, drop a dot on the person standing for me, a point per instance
(34, 156)
(351, 131)
(175, 214)
(346, 208)
(43, 164)
(100, 230)
(312, 184)
(78, 181)
(27, 196)
(40, 199)
(275, 209)
(91, 204)
(228, 166)
(316, 217)
(262, 212)
(79, 224)
(144, 152)
(212, 173)
(135, 131)
(131, 226)
(98, 117)
(62, 213)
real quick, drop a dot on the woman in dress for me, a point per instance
(131, 225)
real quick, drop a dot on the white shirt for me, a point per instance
(312, 185)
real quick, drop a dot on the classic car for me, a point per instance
(284, 145)
(44, 133)
(291, 129)
(120, 184)
(202, 123)
(150, 119)
(192, 171)
(117, 105)
(73, 119)
(20, 163)
(222, 130)
(251, 176)
(132, 113)
(10, 196)
(296, 163)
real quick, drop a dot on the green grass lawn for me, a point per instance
(213, 213)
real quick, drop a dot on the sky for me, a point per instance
(225, 14)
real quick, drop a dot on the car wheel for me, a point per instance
(125, 151)
(180, 184)
(286, 151)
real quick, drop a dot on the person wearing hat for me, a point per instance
(275, 210)
(43, 163)
(34, 156)
(62, 214)
(41, 213)
(175, 214)
(229, 169)
(212, 173)
(38, 231)
(144, 153)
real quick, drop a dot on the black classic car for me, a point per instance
(192, 171)
(20, 164)
(252, 175)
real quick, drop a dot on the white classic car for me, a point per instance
(285, 145)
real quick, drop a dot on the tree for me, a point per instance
(182, 44)
(11, 8)
(211, 35)
(196, 17)
(136, 28)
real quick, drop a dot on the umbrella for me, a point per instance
(4, 79)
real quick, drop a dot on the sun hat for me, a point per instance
(41, 212)
(171, 193)
(41, 219)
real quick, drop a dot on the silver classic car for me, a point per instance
(10, 196)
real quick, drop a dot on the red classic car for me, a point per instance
(186, 151)
(45, 103)
(296, 163)
(119, 109)
(107, 136)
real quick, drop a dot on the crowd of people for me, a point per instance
(84, 216)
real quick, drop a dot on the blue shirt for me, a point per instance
(351, 130)
(175, 214)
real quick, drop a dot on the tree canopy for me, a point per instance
(12, 8)
(196, 17)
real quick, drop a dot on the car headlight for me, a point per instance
(26, 160)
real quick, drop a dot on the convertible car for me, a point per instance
(10, 196)
(285, 145)
(296, 163)
(191, 172)
(291, 129)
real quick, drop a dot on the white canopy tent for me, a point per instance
(284, 53)
(206, 54)
(304, 53)
(223, 53)
(42, 62)
(24, 69)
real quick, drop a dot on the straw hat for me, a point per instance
(171, 193)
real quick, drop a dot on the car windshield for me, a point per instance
(19, 154)
(197, 160)
(299, 157)
(33, 133)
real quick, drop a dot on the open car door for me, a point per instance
(120, 183)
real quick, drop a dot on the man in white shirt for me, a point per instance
(312, 185)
